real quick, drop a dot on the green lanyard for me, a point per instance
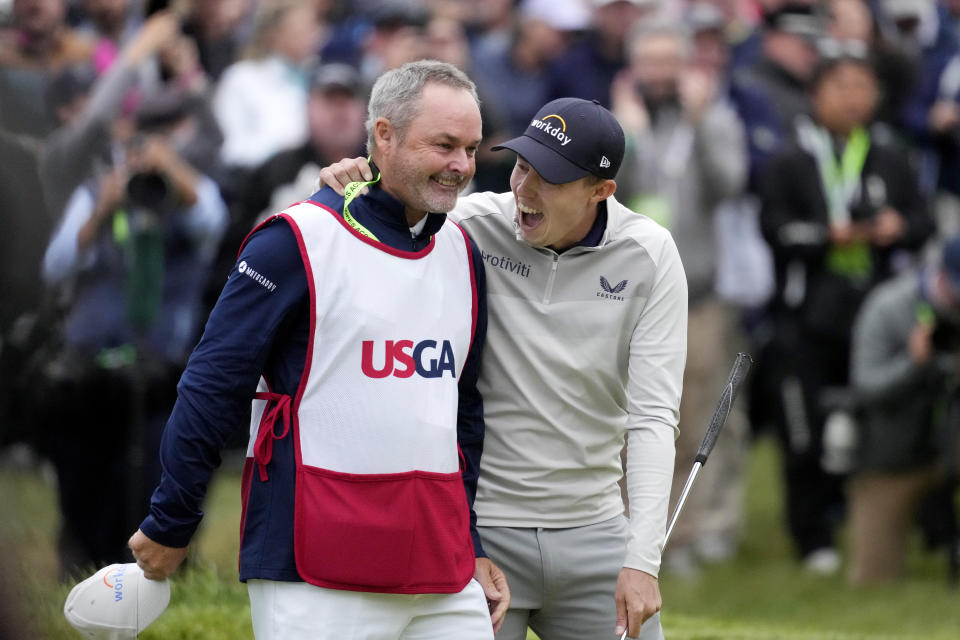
(840, 181)
(925, 314)
(841, 178)
(349, 193)
(121, 227)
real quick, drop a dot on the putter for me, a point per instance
(740, 368)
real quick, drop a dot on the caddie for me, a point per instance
(357, 325)
(586, 344)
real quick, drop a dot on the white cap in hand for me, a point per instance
(116, 603)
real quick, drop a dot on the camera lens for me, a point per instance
(149, 190)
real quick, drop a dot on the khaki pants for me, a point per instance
(882, 509)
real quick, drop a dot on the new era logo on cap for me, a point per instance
(570, 138)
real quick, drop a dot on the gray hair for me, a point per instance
(396, 94)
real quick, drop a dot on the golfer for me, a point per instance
(586, 345)
(357, 325)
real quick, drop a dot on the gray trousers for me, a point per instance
(562, 581)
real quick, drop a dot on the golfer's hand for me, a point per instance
(638, 598)
(339, 175)
(495, 588)
(157, 561)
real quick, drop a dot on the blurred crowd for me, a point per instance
(805, 155)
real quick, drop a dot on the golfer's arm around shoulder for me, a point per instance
(339, 174)
(251, 318)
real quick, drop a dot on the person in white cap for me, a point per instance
(116, 603)
(586, 344)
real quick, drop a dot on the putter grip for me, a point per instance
(740, 368)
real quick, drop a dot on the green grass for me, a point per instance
(761, 595)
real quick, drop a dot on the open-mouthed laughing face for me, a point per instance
(555, 215)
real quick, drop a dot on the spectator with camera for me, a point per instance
(135, 244)
(47, 79)
(904, 370)
(85, 107)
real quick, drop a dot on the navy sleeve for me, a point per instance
(470, 425)
(266, 289)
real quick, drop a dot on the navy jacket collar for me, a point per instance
(384, 216)
(595, 235)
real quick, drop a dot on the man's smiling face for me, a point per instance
(427, 165)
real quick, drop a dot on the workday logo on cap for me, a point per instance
(559, 132)
(570, 138)
(114, 581)
(116, 603)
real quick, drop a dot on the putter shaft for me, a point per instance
(683, 498)
(740, 368)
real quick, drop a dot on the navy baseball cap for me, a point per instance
(570, 138)
(335, 76)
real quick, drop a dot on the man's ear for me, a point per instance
(384, 134)
(604, 190)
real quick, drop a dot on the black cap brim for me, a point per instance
(551, 166)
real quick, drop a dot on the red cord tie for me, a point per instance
(263, 447)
